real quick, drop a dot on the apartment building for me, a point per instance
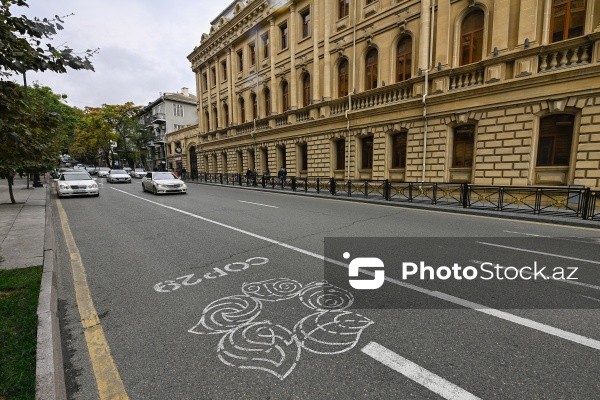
(502, 92)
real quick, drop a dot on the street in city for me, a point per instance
(216, 294)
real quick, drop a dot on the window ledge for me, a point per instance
(304, 39)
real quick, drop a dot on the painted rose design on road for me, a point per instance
(248, 343)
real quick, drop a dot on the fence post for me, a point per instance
(318, 185)
(586, 193)
(434, 200)
(263, 182)
(293, 183)
(349, 187)
(410, 196)
(306, 184)
(386, 194)
(221, 178)
(272, 183)
(465, 195)
(332, 186)
(538, 201)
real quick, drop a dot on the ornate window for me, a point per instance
(224, 70)
(343, 79)
(554, 145)
(464, 138)
(367, 152)
(306, 90)
(285, 96)
(399, 150)
(371, 64)
(305, 15)
(242, 111)
(267, 94)
(252, 47)
(226, 114)
(340, 155)
(254, 106)
(568, 19)
(471, 38)
(283, 29)
(343, 8)
(265, 43)
(240, 56)
(404, 59)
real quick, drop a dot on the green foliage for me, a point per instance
(19, 292)
(23, 47)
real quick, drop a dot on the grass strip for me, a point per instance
(19, 292)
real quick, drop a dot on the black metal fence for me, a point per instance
(577, 202)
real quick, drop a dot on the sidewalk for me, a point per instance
(22, 225)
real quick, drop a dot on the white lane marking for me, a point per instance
(540, 252)
(431, 381)
(573, 337)
(528, 234)
(258, 204)
(593, 240)
(587, 285)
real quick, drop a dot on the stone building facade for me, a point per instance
(498, 92)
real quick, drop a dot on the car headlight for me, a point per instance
(92, 186)
(64, 187)
(160, 185)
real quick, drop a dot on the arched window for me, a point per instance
(306, 90)
(464, 138)
(556, 136)
(242, 111)
(254, 106)
(267, 94)
(343, 79)
(471, 38)
(371, 65)
(226, 115)
(404, 59)
(568, 19)
(285, 96)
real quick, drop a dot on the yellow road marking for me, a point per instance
(108, 380)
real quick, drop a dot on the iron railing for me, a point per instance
(577, 202)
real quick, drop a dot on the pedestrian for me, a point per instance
(281, 177)
(183, 173)
(254, 177)
(248, 176)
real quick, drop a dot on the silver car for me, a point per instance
(118, 175)
(103, 171)
(163, 182)
(76, 184)
(137, 173)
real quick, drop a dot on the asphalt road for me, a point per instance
(162, 271)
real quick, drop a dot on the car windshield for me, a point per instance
(117, 171)
(164, 175)
(75, 177)
(104, 169)
(139, 170)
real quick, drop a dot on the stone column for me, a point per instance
(272, 35)
(424, 32)
(211, 124)
(293, 75)
(500, 25)
(443, 47)
(546, 22)
(199, 92)
(528, 22)
(233, 97)
(220, 119)
(316, 76)
(327, 55)
(230, 85)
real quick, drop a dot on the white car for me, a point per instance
(103, 171)
(76, 184)
(118, 175)
(137, 173)
(163, 182)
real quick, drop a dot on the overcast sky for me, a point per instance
(143, 44)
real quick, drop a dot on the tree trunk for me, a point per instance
(11, 179)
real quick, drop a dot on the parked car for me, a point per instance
(163, 182)
(118, 175)
(103, 171)
(78, 183)
(137, 173)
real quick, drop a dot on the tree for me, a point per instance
(24, 129)
(122, 119)
(95, 135)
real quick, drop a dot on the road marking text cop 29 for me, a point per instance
(189, 280)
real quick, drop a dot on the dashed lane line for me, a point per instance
(257, 204)
(108, 379)
(413, 371)
(572, 337)
(540, 252)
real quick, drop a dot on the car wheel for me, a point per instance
(154, 190)
(143, 188)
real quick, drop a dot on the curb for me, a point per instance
(49, 373)
(426, 207)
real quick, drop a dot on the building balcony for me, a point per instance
(159, 118)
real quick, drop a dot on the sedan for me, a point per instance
(163, 182)
(118, 175)
(76, 184)
(137, 173)
(103, 171)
